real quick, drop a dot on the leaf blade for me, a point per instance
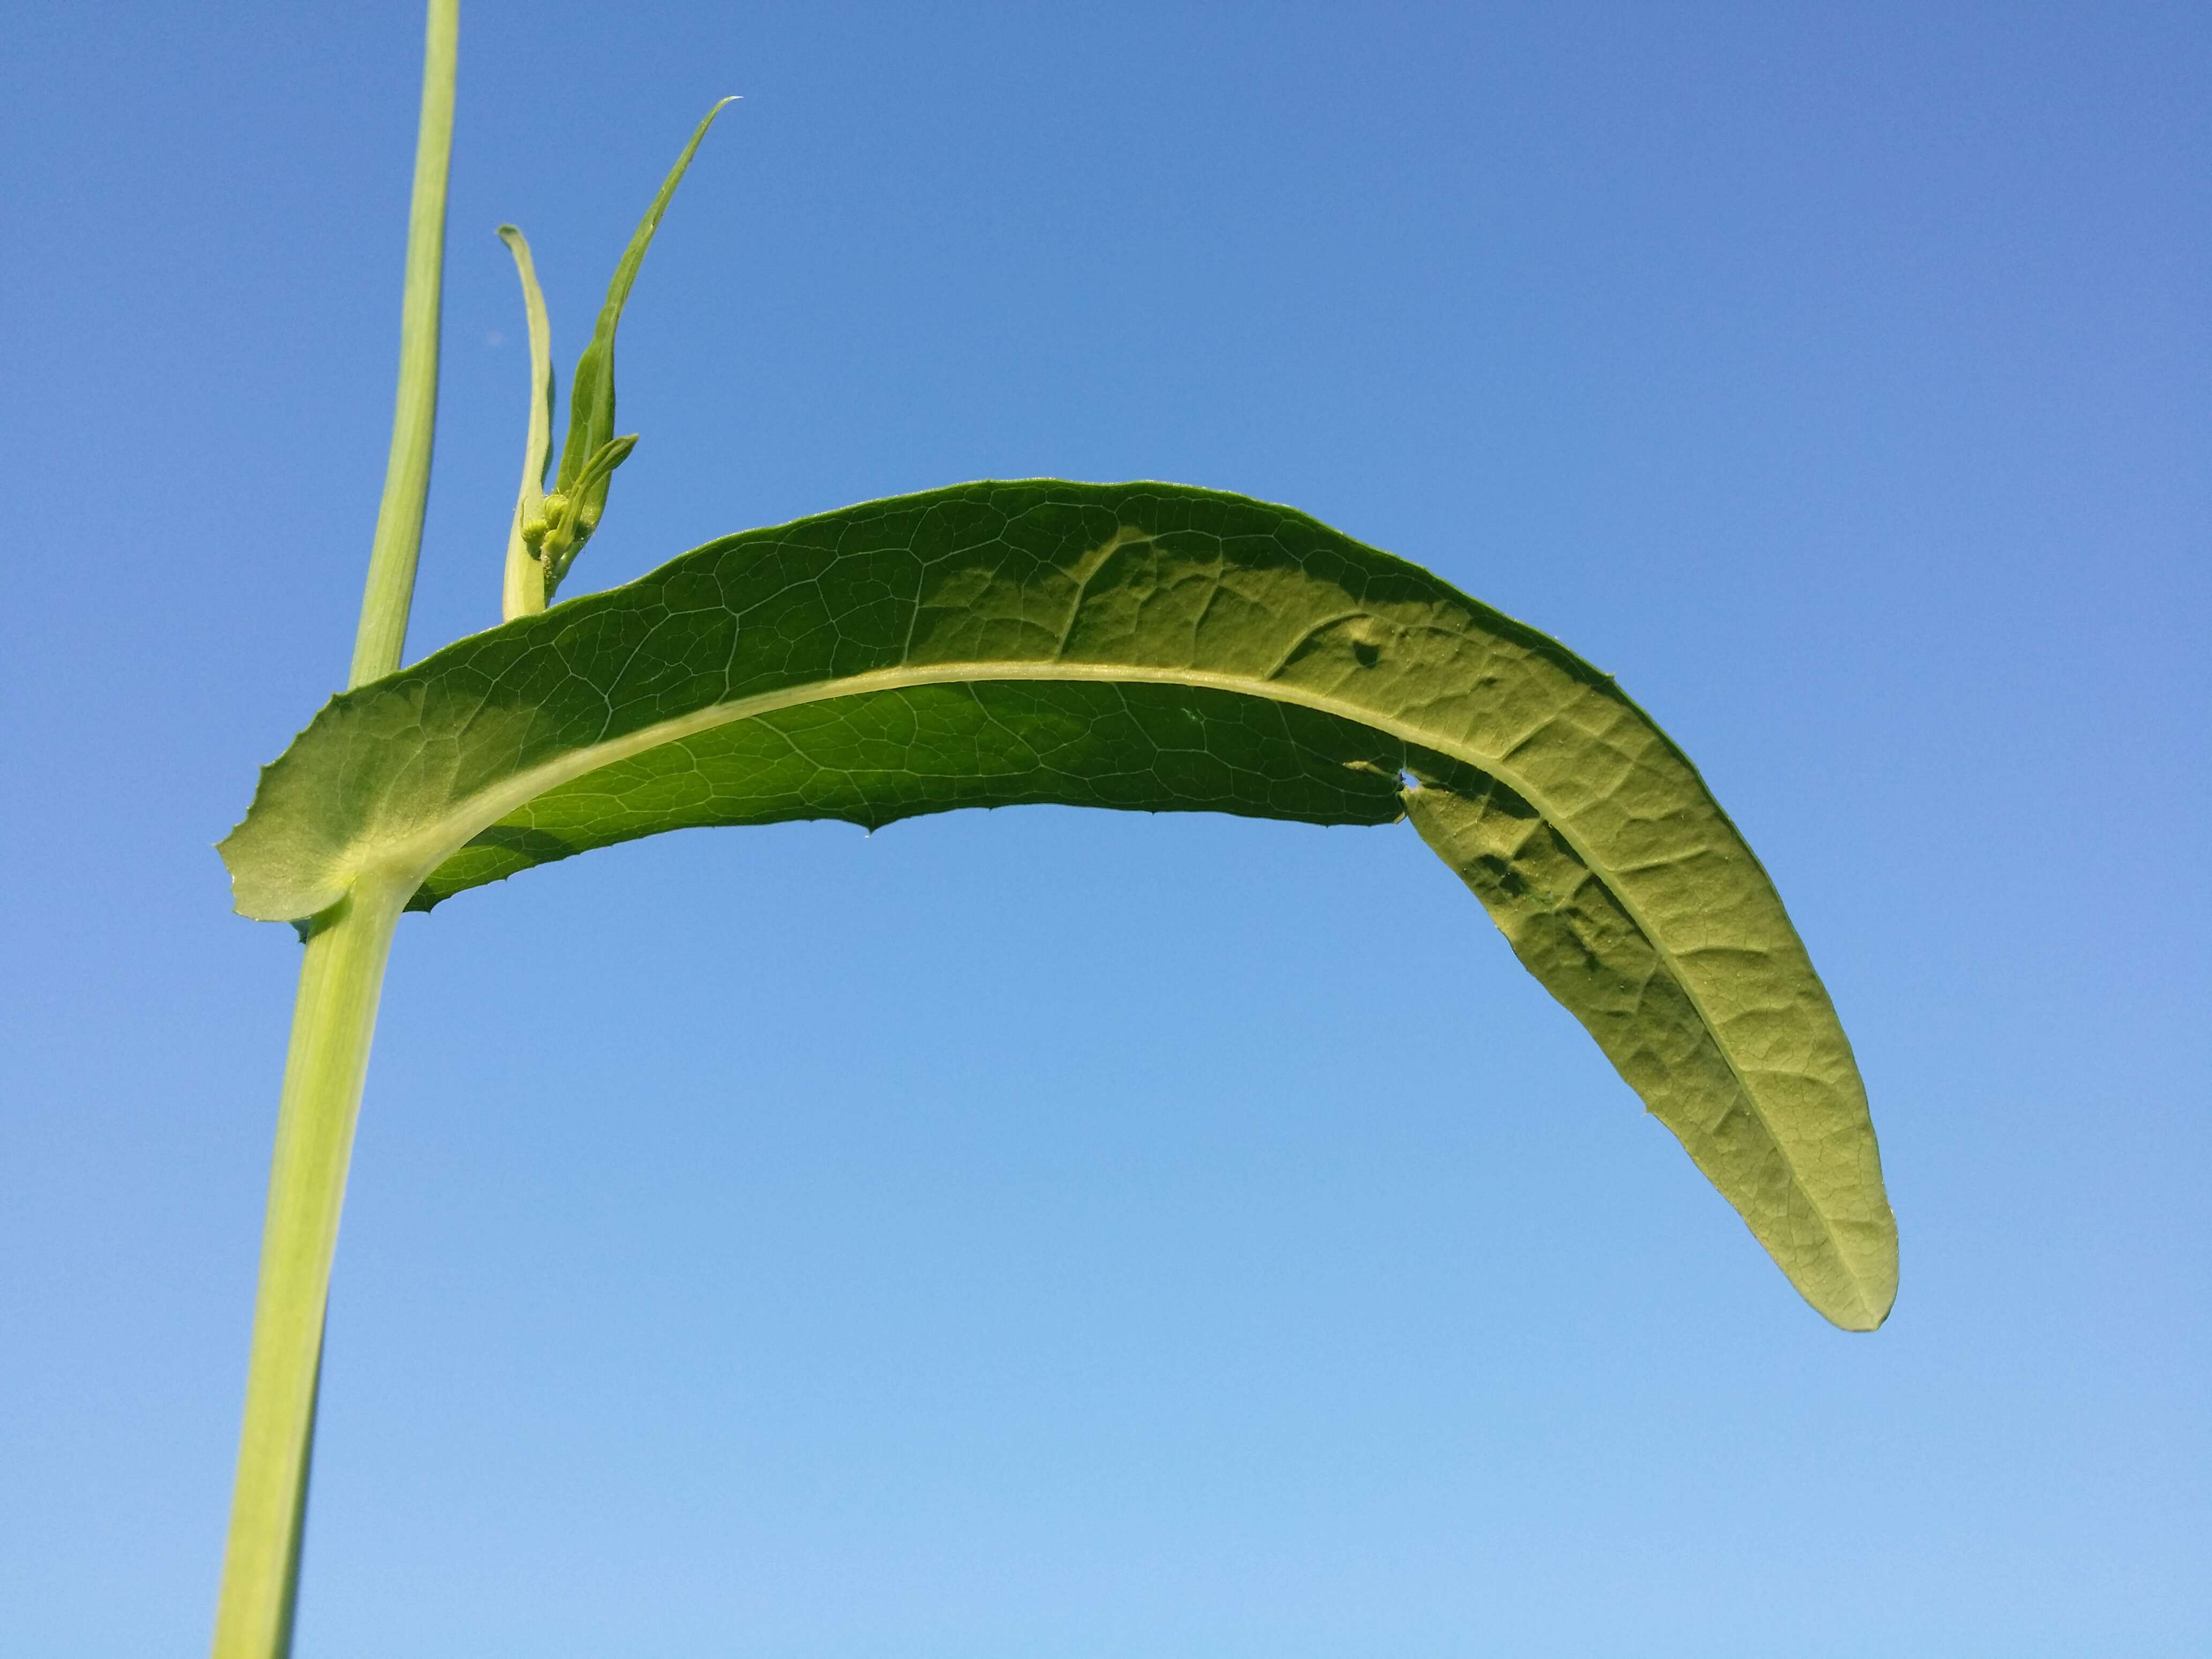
(1306, 669)
(1638, 989)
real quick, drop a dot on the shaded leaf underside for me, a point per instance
(1146, 647)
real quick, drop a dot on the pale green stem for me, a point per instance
(341, 979)
(523, 594)
(391, 591)
(332, 1024)
(525, 587)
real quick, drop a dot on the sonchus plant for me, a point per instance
(1141, 645)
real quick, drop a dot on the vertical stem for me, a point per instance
(332, 1024)
(391, 590)
(523, 593)
(341, 980)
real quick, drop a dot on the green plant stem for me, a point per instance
(391, 591)
(333, 1022)
(341, 980)
(523, 594)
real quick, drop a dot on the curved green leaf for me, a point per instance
(1140, 645)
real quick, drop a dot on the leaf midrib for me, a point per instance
(420, 852)
(412, 858)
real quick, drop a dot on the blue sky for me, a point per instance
(1043, 1233)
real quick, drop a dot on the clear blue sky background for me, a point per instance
(1037, 1233)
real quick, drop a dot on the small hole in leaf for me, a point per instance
(1365, 654)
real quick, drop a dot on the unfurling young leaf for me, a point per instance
(1141, 645)
(590, 454)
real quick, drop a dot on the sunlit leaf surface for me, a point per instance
(1138, 646)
